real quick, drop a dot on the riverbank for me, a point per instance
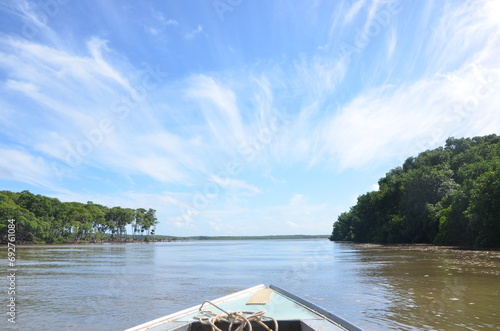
(161, 238)
(270, 237)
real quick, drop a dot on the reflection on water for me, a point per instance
(112, 287)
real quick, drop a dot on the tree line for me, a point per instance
(40, 219)
(446, 196)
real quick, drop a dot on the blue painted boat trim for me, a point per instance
(317, 309)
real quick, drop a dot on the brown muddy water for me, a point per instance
(113, 287)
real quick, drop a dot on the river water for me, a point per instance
(116, 286)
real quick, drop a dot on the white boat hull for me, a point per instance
(291, 312)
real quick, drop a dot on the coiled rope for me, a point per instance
(241, 319)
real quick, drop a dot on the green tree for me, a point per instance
(140, 215)
(448, 196)
(80, 220)
(484, 208)
(43, 219)
(424, 188)
(150, 221)
(29, 228)
(97, 217)
(118, 218)
(342, 229)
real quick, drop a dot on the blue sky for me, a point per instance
(236, 117)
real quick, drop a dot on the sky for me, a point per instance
(237, 117)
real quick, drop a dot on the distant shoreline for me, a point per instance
(161, 238)
(269, 237)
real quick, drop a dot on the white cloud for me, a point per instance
(35, 22)
(75, 96)
(397, 122)
(392, 43)
(159, 23)
(157, 167)
(319, 75)
(353, 11)
(53, 77)
(455, 95)
(152, 30)
(23, 87)
(277, 181)
(383, 122)
(193, 33)
(157, 15)
(299, 214)
(235, 184)
(373, 10)
(96, 47)
(171, 21)
(297, 199)
(221, 112)
(21, 166)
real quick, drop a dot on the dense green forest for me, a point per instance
(40, 219)
(446, 196)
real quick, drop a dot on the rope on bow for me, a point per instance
(239, 319)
